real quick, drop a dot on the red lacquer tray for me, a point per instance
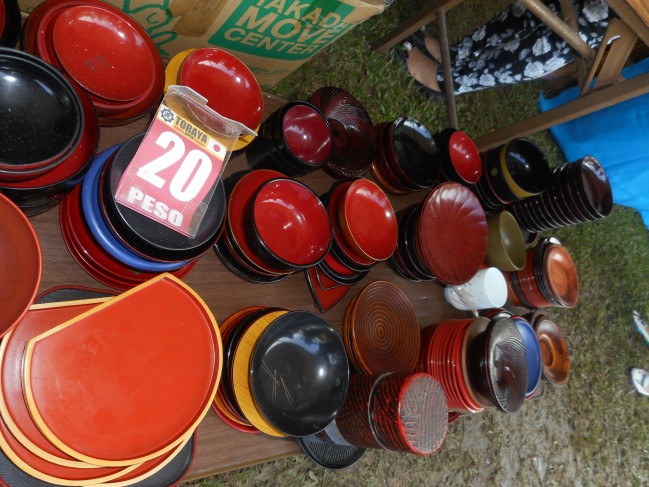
(128, 380)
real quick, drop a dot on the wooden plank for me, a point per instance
(635, 13)
(421, 18)
(605, 97)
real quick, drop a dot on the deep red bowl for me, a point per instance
(367, 220)
(461, 160)
(307, 134)
(290, 223)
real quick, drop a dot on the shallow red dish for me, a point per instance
(229, 86)
(326, 293)
(452, 233)
(335, 201)
(291, 222)
(167, 374)
(21, 267)
(368, 221)
(15, 414)
(105, 51)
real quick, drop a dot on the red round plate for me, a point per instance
(368, 220)
(227, 83)
(105, 51)
(136, 408)
(307, 134)
(21, 265)
(452, 233)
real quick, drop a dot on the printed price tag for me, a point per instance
(173, 174)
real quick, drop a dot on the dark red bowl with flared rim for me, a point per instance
(452, 233)
(367, 220)
(289, 222)
(307, 134)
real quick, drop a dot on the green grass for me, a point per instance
(595, 431)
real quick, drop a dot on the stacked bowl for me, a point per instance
(480, 363)
(555, 356)
(407, 157)
(123, 248)
(106, 52)
(295, 139)
(353, 132)
(444, 237)
(396, 411)
(49, 154)
(275, 226)
(364, 229)
(285, 373)
(578, 192)
(548, 279)
(512, 172)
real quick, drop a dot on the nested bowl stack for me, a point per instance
(548, 279)
(443, 238)
(578, 192)
(46, 155)
(364, 230)
(512, 172)
(407, 157)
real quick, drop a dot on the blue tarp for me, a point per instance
(617, 136)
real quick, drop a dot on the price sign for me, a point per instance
(173, 174)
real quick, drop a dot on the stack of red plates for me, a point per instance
(480, 363)
(444, 238)
(364, 230)
(89, 397)
(103, 50)
(548, 279)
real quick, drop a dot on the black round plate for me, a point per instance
(147, 236)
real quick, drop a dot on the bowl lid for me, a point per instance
(452, 233)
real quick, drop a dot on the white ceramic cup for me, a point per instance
(487, 289)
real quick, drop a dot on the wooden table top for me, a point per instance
(220, 448)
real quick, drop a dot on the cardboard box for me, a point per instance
(273, 37)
